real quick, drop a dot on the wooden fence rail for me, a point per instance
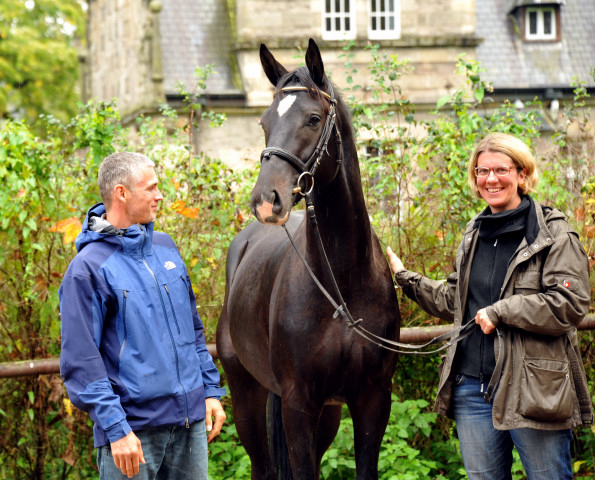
(415, 335)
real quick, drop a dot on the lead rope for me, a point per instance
(342, 310)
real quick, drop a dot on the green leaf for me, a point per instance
(442, 101)
(479, 94)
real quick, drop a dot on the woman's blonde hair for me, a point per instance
(514, 149)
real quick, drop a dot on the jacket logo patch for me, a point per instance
(567, 284)
(169, 265)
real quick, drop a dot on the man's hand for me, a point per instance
(482, 319)
(127, 453)
(395, 262)
(214, 410)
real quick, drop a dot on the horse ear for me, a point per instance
(272, 68)
(314, 63)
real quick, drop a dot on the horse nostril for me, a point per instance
(277, 204)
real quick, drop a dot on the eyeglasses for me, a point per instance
(500, 171)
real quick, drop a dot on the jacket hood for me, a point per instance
(135, 240)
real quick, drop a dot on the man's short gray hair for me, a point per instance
(120, 168)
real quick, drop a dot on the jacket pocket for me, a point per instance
(547, 394)
(527, 282)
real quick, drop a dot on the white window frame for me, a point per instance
(383, 12)
(540, 34)
(341, 16)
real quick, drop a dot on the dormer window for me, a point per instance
(541, 23)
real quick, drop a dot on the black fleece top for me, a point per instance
(499, 236)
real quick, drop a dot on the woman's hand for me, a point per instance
(395, 262)
(482, 319)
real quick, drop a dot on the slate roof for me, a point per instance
(514, 64)
(196, 33)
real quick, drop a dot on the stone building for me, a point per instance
(138, 51)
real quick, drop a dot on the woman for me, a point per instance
(522, 276)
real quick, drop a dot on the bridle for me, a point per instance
(308, 168)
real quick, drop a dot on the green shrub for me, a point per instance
(418, 200)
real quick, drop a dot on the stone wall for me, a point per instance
(123, 54)
(433, 34)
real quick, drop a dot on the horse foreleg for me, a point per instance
(328, 425)
(370, 413)
(249, 400)
(300, 428)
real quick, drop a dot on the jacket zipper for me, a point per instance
(481, 340)
(124, 323)
(171, 304)
(187, 422)
(481, 363)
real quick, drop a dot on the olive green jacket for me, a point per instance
(539, 380)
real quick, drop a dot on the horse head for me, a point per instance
(298, 128)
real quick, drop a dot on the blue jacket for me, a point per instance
(133, 350)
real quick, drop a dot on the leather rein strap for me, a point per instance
(341, 309)
(308, 168)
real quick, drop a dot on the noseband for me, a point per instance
(310, 165)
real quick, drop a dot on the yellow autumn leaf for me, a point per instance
(67, 406)
(69, 227)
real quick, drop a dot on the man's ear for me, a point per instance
(120, 193)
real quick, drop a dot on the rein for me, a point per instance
(341, 309)
(307, 169)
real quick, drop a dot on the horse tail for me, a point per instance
(277, 441)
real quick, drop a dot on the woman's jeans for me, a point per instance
(487, 452)
(171, 452)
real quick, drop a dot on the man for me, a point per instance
(133, 351)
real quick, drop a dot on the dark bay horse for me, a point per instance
(276, 333)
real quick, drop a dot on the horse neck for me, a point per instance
(342, 217)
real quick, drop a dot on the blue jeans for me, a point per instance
(487, 452)
(171, 452)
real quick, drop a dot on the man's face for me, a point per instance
(143, 202)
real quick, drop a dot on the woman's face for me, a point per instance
(500, 192)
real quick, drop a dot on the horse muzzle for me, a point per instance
(269, 208)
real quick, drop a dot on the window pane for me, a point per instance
(338, 24)
(346, 6)
(374, 24)
(547, 22)
(328, 25)
(382, 23)
(533, 23)
(347, 24)
(391, 6)
(328, 6)
(391, 22)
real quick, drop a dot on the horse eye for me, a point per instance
(314, 120)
